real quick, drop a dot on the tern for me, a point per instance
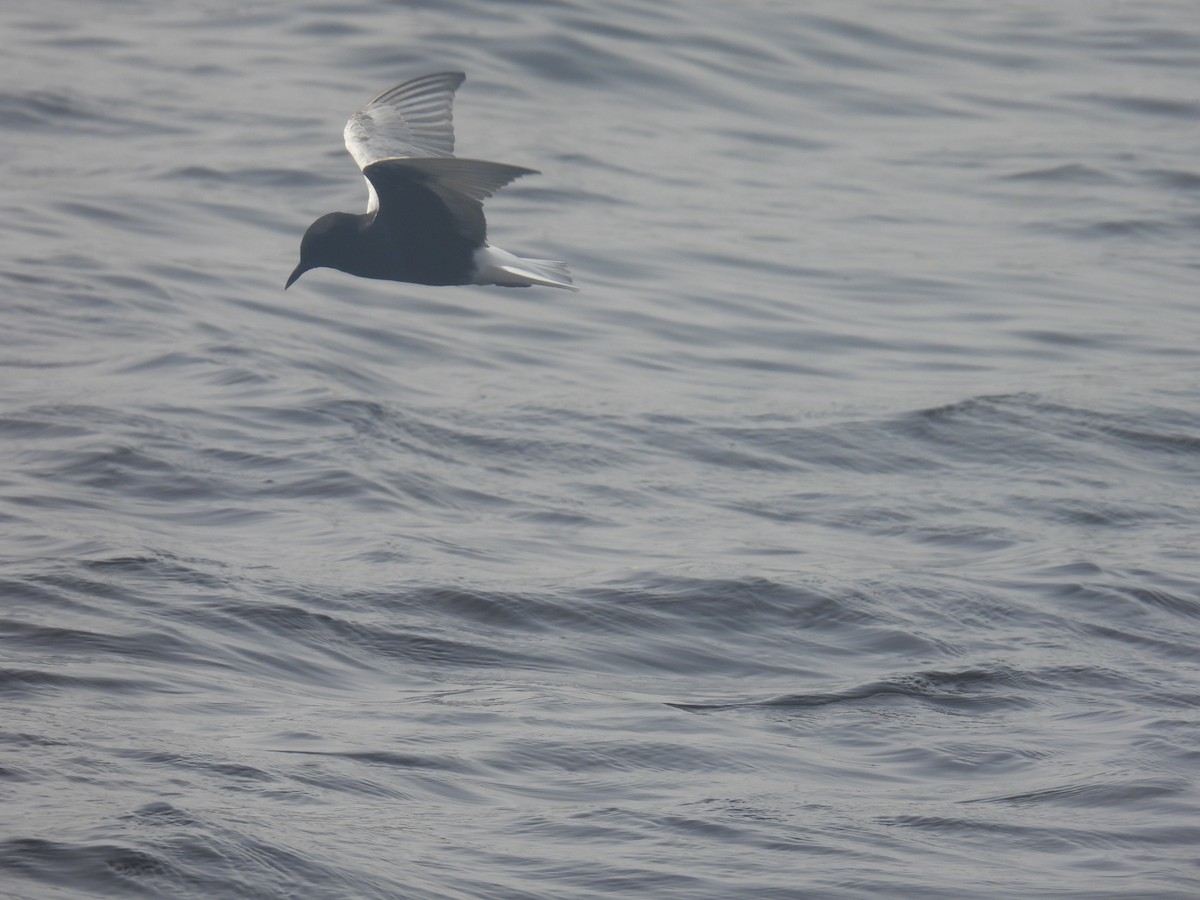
(424, 221)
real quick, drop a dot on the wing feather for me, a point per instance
(414, 118)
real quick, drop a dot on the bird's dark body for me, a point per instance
(418, 229)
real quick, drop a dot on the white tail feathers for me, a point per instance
(496, 266)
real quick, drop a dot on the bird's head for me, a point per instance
(326, 243)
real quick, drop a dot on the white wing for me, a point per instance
(411, 119)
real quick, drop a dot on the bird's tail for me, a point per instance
(548, 272)
(496, 266)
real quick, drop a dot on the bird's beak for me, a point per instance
(296, 273)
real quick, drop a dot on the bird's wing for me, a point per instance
(460, 184)
(474, 178)
(411, 119)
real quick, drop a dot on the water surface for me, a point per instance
(837, 540)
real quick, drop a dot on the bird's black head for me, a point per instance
(329, 242)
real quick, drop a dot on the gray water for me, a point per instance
(838, 539)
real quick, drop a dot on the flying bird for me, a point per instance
(424, 220)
